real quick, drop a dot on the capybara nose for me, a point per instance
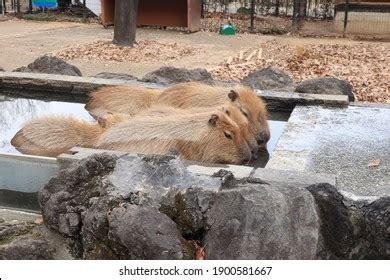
(260, 140)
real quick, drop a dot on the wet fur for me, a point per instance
(53, 135)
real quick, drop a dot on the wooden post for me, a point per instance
(345, 17)
(252, 15)
(125, 22)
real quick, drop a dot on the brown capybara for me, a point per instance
(134, 99)
(195, 94)
(53, 135)
(232, 111)
(124, 99)
(206, 137)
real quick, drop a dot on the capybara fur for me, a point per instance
(134, 99)
(206, 137)
(53, 135)
(232, 111)
(121, 99)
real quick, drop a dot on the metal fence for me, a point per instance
(307, 17)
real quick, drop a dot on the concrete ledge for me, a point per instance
(61, 87)
(76, 89)
(288, 100)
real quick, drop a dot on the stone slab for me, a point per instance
(339, 141)
(293, 177)
(288, 100)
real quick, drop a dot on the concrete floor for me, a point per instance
(339, 141)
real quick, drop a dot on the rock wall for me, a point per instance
(152, 207)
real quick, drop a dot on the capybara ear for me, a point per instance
(233, 95)
(102, 121)
(213, 120)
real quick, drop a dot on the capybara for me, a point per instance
(129, 100)
(134, 99)
(232, 111)
(207, 137)
(53, 135)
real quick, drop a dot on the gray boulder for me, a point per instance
(50, 65)
(352, 229)
(102, 203)
(1, 69)
(253, 220)
(326, 85)
(269, 78)
(173, 75)
(119, 76)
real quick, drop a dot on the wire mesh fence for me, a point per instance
(308, 17)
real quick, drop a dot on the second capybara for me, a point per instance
(123, 99)
(134, 99)
(53, 135)
(206, 137)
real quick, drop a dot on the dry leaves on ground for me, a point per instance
(142, 52)
(366, 67)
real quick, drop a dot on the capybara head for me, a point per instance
(254, 109)
(243, 123)
(224, 142)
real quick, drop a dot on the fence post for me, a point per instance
(30, 6)
(1, 6)
(345, 17)
(4, 7)
(17, 7)
(84, 12)
(252, 15)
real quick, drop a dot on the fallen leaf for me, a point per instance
(374, 162)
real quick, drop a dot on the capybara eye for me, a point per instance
(228, 136)
(245, 113)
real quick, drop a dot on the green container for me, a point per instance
(227, 29)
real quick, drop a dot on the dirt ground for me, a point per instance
(21, 42)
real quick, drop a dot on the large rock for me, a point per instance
(253, 220)
(268, 79)
(118, 76)
(109, 207)
(1, 69)
(173, 75)
(352, 229)
(326, 85)
(50, 65)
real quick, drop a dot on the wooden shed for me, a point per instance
(167, 13)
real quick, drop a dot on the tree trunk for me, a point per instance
(125, 22)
